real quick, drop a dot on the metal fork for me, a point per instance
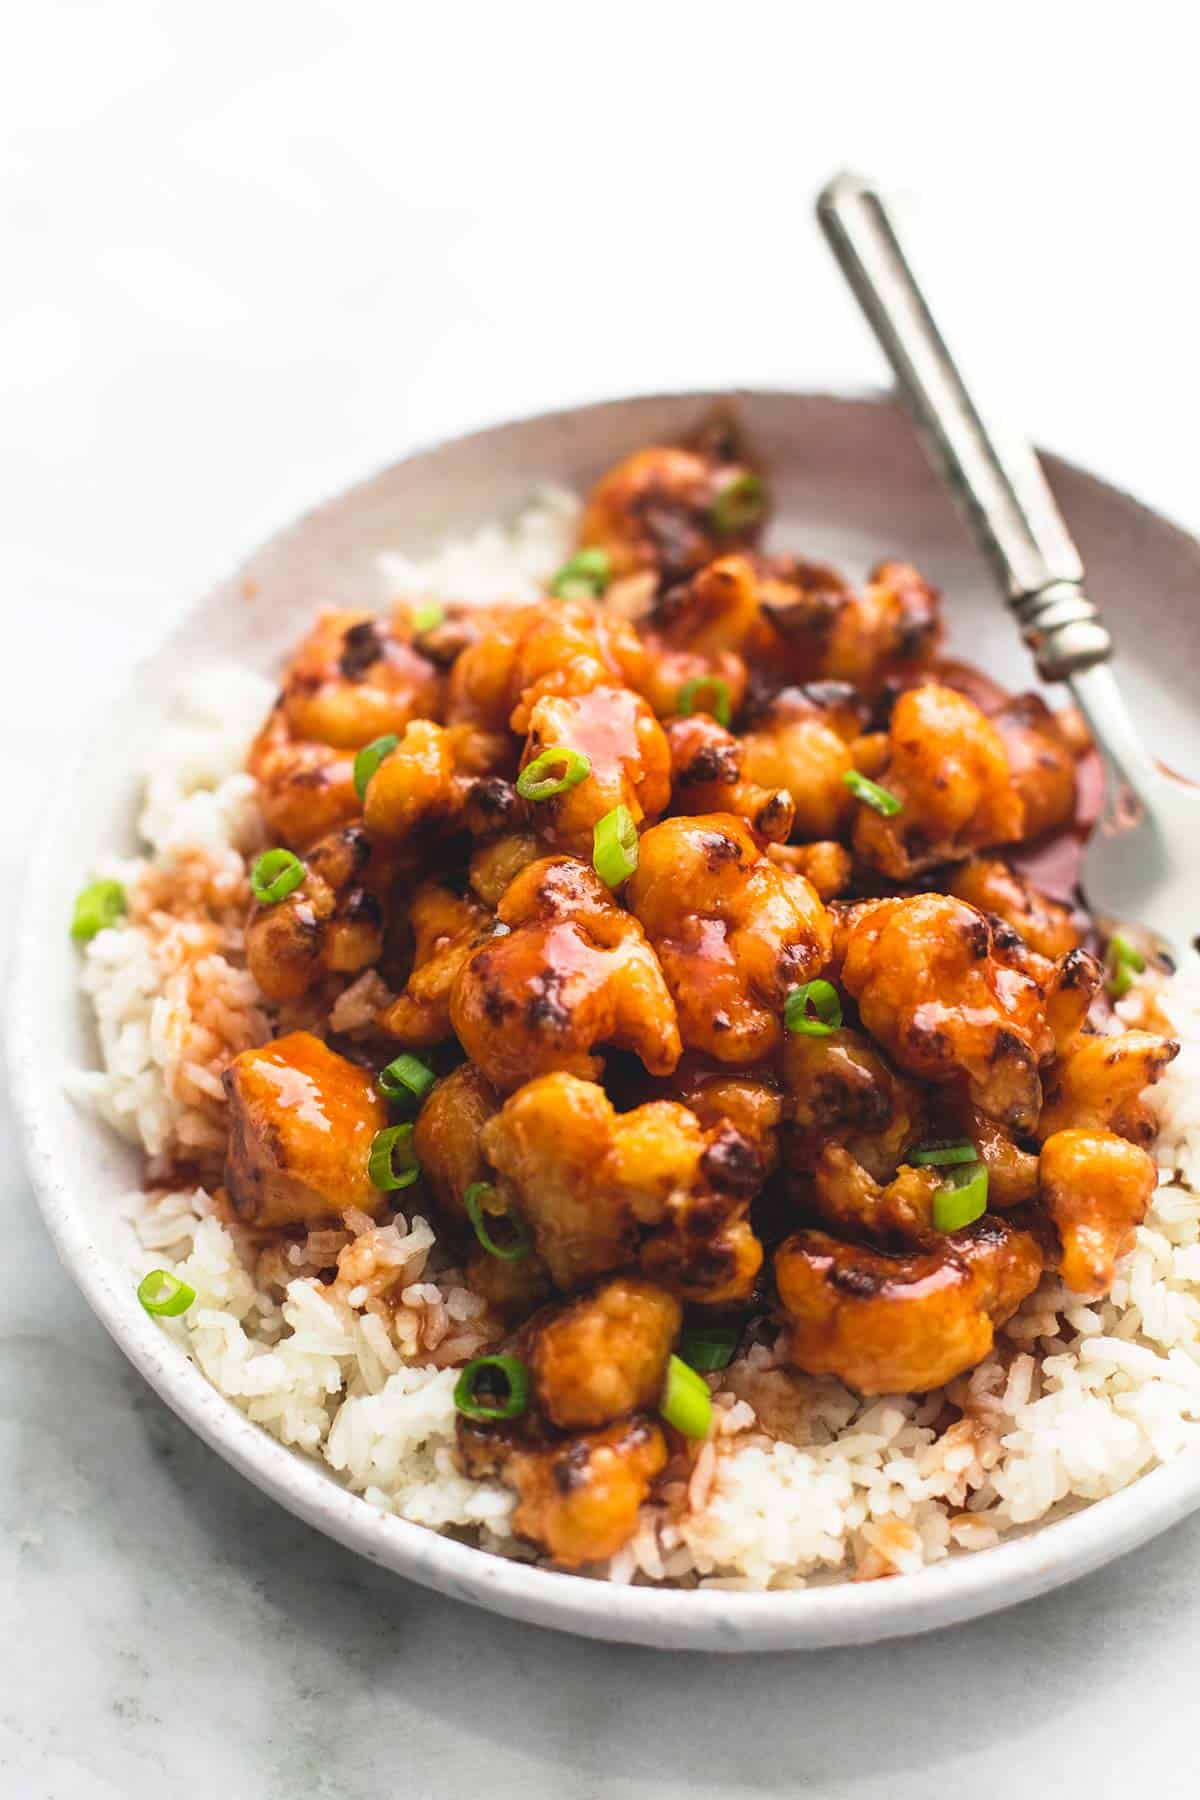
(1142, 864)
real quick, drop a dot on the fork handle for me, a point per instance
(996, 479)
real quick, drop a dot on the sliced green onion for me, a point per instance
(479, 1404)
(369, 759)
(709, 1347)
(615, 846)
(961, 1199)
(428, 617)
(518, 1245)
(1123, 961)
(382, 1168)
(405, 1079)
(164, 1295)
(692, 698)
(275, 875)
(536, 782)
(583, 576)
(826, 1009)
(739, 502)
(872, 795)
(942, 1156)
(686, 1402)
(97, 907)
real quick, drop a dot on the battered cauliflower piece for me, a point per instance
(601, 1190)
(887, 1324)
(949, 770)
(708, 775)
(717, 1096)
(1042, 761)
(841, 1089)
(495, 865)
(849, 1199)
(1099, 1085)
(1046, 925)
(446, 929)
(446, 1136)
(301, 1122)
(803, 742)
(835, 634)
(669, 669)
(827, 865)
(417, 784)
(353, 679)
(1096, 1188)
(671, 510)
(332, 923)
(933, 989)
(733, 931)
(306, 790)
(573, 972)
(629, 762)
(602, 1354)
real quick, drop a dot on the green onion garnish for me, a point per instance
(479, 1403)
(518, 1245)
(536, 782)
(583, 576)
(427, 618)
(705, 693)
(97, 907)
(872, 795)
(739, 502)
(369, 759)
(686, 1402)
(395, 1142)
(709, 1347)
(406, 1079)
(615, 846)
(275, 875)
(813, 1009)
(942, 1156)
(1123, 960)
(164, 1295)
(961, 1199)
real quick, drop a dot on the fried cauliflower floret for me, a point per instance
(1096, 1188)
(733, 932)
(629, 763)
(446, 929)
(802, 742)
(332, 923)
(1099, 1085)
(416, 784)
(563, 647)
(446, 1136)
(826, 865)
(600, 1189)
(1042, 761)
(602, 1354)
(948, 767)
(899, 1324)
(985, 882)
(932, 989)
(849, 1199)
(495, 865)
(1012, 1171)
(707, 775)
(301, 1121)
(836, 634)
(306, 790)
(578, 1496)
(841, 1089)
(573, 973)
(717, 1096)
(668, 670)
(353, 679)
(671, 510)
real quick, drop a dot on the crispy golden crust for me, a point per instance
(629, 763)
(985, 882)
(707, 775)
(602, 1354)
(655, 511)
(1099, 1084)
(446, 928)
(332, 923)
(1096, 1187)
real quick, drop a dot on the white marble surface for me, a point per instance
(250, 251)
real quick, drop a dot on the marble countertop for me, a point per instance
(249, 253)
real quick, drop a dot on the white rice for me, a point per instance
(800, 1480)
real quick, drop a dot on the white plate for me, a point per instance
(850, 486)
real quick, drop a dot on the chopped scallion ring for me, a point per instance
(705, 693)
(813, 1009)
(583, 576)
(709, 1347)
(476, 1201)
(739, 502)
(392, 1163)
(686, 1402)
(96, 908)
(406, 1079)
(1123, 960)
(428, 617)
(615, 846)
(493, 1387)
(369, 759)
(275, 875)
(942, 1156)
(163, 1295)
(537, 781)
(962, 1199)
(872, 795)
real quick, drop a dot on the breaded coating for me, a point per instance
(562, 647)
(446, 928)
(849, 1199)
(902, 1324)
(802, 742)
(301, 1122)
(629, 763)
(986, 882)
(707, 775)
(495, 865)
(826, 865)
(574, 973)
(841, 1089)
(1096, 1188)
(333, 923)
(306, 790)
(836, 634)
(1042, 761)
(659, 509)
(603, 1353)
(353, 679)
(733, 932)
(446, 1137)
(1099, 1084)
